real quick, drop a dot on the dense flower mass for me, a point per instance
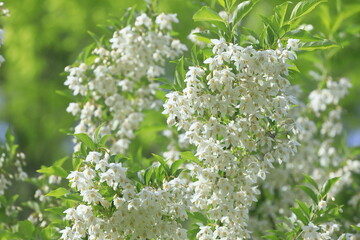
(124, 211)
(120, 81)
(318, 157)
(236, 112)
(334, 91)
(118, 84)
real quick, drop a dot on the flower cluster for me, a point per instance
(45, 183)
(119, 84)
(6, 174)
(11, 171)
(318, 156)
(323, 231)
(334, 91)
(235, 110)
(112, 206)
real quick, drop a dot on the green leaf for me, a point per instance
(58, 192)
(176, 165)
(76, 162)
(309, 192)
(199, 216)
(163, 163)
(56, 210)
(177, 172)
(84, 138)
(179, 82)
(26, 228)
(271, 237)
(66, 93)
(208, 15)
(250, 33)
(303, 8)
(355, 152)
(222, 3)
(305, 209)
(241, 11)
(10, 143)
(104, 139)
(53, 170)
(356, 228)
(159, 175)
(293, 67)
(73, 196)
(130, 15)
(311, 181)
(189, 156)
(60, 162)
(271, 24)
(280, 12)
(95, 38)
(202, 37)
(97, 130)
(162, 80)
(325, 44)
(302, 35)
(300, 215)
(207, 53)
(161, 95)
(10, 139)
(193, 231)
(343, 15)
(194, 55)
(166, 86)
(83, 150)
(148, 174)
(328, 185)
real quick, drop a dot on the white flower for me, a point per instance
(91, 196)
(292, 44)
(67, 233)
(73, 108)
(93, 157)
(310, 231)
(164, 20)
(322, 205)
(143, 19)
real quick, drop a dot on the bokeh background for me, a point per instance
(44, 36)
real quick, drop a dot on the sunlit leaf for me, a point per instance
(207, 14)
(311, 181)
(241, 11)
(325, 44)
(328, 185)
(53, 170)
(309, 192)
(303, 8)
(58, 192)
(84, 138)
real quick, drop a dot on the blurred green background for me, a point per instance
(44, 36)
